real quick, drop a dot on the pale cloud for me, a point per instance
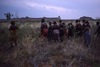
(30, 3)
(48, 7)
(51, 8)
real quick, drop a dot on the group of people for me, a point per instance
(53, 32)
(57, 31)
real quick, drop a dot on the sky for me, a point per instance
(66, 9)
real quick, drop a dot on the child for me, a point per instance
(13, 36)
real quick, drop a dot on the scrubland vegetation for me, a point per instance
(33, 51)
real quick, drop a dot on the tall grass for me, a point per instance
(32, 50)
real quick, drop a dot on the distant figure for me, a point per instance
(98, 29)
(61, 31)
(44, 29)
(13, 33)
(78, 28)
(64, 29)
(70, 30)
(87, 36)
(55, 32)
(50, 32)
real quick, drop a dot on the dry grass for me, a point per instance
(32, 51)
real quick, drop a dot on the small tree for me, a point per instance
(8, 15)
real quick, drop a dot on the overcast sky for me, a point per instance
(67, 9)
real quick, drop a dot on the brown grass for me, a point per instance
(32, 50)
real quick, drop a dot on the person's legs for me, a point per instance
(61, 38)
(49, 37)
(54, 37)
(57, 35)
(88, 41)
(60, 35)
(11, 41)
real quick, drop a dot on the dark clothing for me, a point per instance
(79, 29)
(13, 30)
(84, 26)
(55, 32)
(50, 33)
(87, 37)
(55, 27)
(44, 29)
(13, 34)
(98, 31)
(70, 31)
(13, 27)
(61, 31)
(44, 25)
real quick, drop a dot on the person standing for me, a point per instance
(70, 30)
(55, 32)
(44, 28)
(13, 33)
(87, 36)
(98, 29)
(61, 31)
(50, 32)
(78, 28)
